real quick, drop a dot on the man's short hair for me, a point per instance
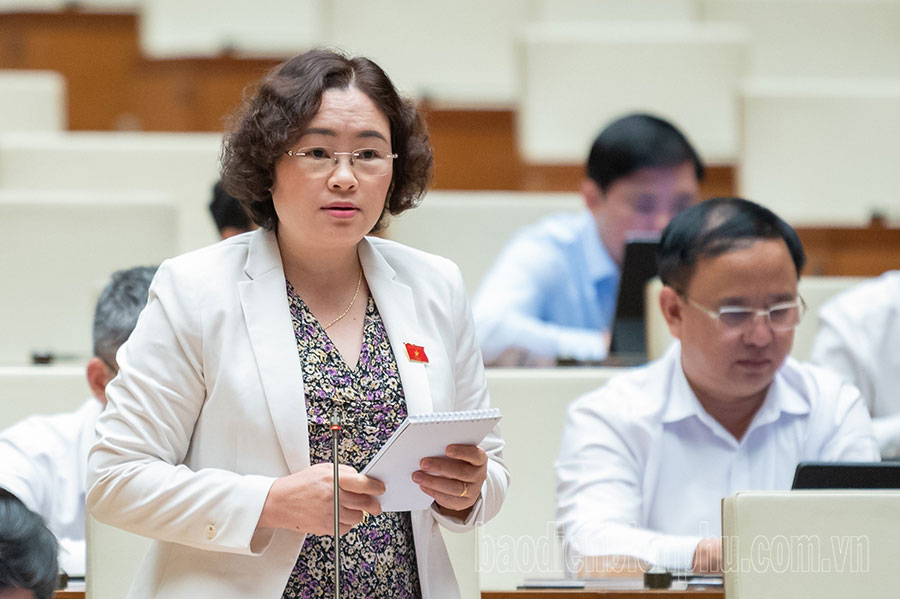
(227, 210)
(118, 307)
(27, 549)
(714, 227)
(638, 141)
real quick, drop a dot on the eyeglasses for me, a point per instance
(365, 161)
(784, 316)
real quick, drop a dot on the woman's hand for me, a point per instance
(304, 501)
(455, 480)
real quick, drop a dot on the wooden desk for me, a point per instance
(603, 594)
(75, 590)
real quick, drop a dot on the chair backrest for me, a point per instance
(182, 165)
(173, 29)
(28, 390)
(59, 249)
(32, 101)
(471, 228)
(579, 76)
(814, 290)
(815, 151)
(113, 557)
(819, 38)
(521, 542)
(824, 544)
(614, 10)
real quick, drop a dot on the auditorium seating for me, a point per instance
(822, 152)
(814, 290)
(32, 101)
(471, 228)
(460, 52)
(113, 557)
(815, 38)
(172, 28)
(614, 10)
(579, 76)
(184, 165)
(59, 249)
(521, 541)
(30, 390)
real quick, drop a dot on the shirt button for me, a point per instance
(210, 531)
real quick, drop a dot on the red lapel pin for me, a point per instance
(416, 353)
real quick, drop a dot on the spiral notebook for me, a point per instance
(421, 436)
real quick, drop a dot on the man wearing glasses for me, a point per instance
(43, 459)
(646, 460)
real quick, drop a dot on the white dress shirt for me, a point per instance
(859, 338)
(643, 467)
(43, 461)
(551, 292)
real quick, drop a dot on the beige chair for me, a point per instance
(814, 290)
(32, 101)
(579, 76)
(59, 248)
(471, 228)
(173, 29)
(815, 38)
(614, 10)
(823, 544)
(28, 390)
(521, 542)
(183, 166)
(113, 557)
(459, 53)
(816, 152)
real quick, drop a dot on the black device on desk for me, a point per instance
(847, 475)
(629, 329)
(628, 335)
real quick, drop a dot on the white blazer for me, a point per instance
(208, 409)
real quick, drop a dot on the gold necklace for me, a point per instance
(344, 313)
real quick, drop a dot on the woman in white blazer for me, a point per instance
(214, 439)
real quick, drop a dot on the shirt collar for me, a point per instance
(599, 264)
(683, 403)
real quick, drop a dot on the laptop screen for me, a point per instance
(847, 475)
(629, 331)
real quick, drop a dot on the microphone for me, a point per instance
(336, 425)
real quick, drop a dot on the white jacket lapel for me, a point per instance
(266, 312)
(398, 312)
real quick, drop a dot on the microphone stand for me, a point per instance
(335, 441)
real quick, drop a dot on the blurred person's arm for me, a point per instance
(510, 304)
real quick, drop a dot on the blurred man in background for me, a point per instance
(228, 213)
(43, 459)
(859, 338)
(551, 293)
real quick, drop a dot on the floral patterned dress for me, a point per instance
(378, 557)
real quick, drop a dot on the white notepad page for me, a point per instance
(421, 436)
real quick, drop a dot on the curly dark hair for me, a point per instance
(273, 118)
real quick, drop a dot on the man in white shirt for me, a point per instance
(646, 460)
(552, 291)
(859, 338)
(43, 459)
